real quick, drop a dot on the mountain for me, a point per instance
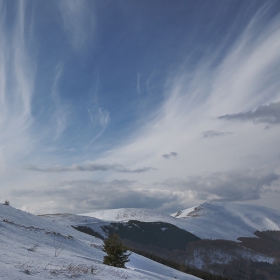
(234, 240)
(215, 220)
(48, 247)
(228, 220)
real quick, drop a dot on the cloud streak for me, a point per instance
(213, 134)
(61, 110)
(78, 22)
(17, 79)
(88, 167)
(269, 114)
(170, 155)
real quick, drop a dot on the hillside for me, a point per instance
(38, 247)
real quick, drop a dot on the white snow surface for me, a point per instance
(126, 214)
(216, 220)
(29, 244)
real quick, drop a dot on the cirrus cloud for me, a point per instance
(87, 167)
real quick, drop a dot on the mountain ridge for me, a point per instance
(215, 220)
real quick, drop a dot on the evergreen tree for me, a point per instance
(7, 202)
(116, 251)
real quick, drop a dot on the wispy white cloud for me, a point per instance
(99, 116)
(3, 65)
(78, 22)
(245, 78)
(138, 88)
(61, 109)
(17, 76)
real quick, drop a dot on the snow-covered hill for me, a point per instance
(207, 221)
(49, 248)
(229, 220)
(126, 214)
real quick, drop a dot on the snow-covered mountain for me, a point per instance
(49, 248)
(207, 221)
(126, 214)
(229, 220)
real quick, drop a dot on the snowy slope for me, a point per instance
(229, 220)
(39, 248)
(207, 221)
(126, 214)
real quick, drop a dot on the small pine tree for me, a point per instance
(7, 202)
(116, 251)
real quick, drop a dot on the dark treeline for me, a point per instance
(88, 231)
(181, 267)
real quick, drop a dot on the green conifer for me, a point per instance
(116, 251)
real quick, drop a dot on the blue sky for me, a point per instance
(155, 104)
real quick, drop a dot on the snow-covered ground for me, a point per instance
(207, 221)
(48, 247)
(126, 214)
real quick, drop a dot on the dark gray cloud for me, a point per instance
(269, 114)
(87, 167)
(88, 195)
(213, 133)
(168, 156)
(238, 185)
(169, 196)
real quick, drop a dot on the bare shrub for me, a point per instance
(58, 244)
(73, 270)
(25, 267)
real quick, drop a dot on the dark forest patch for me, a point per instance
(158, 234)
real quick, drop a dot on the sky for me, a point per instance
(147, 104)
